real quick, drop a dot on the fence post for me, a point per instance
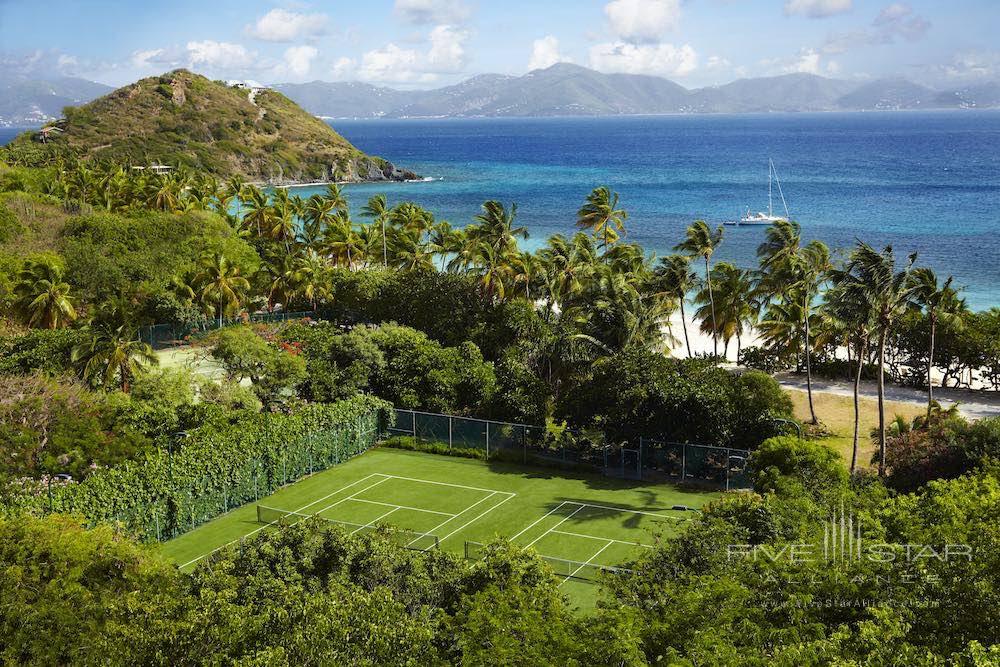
(450, 420)
(487, 441)
(727, 469)
(684, 451)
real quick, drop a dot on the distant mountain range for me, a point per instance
(560, 90)
(31, 102)
(571, 90)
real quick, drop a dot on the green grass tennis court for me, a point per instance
(580, 522)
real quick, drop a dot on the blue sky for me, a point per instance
(429, 43)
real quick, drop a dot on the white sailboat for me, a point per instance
(761, 218)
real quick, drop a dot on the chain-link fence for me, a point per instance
(655, 460)
(160, 336)
(496, 440)
(650, 460)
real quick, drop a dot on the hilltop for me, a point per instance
(182, 118)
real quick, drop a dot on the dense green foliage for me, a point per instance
(222, 464)
(640, 394)
(397, 363)
(726, 591)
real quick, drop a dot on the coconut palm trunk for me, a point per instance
(711, 298)
(881, 402)
(385, 251)
(857, 411)
(930, 365)
(684, 325)
(808, 355)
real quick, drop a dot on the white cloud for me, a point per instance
(222, 55)
(545, 53)
(972, 66)
(807, 62)
(447, 50)
(144, 59)
(391, 63)
(656, 59)
(298, 60)
(445, 54)
(816, 9)
(718, 62)
(642, 21)
(281, 25)
(899, 20)
(423, 12)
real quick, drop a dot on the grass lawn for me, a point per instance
(837, 414)
(578, 521)
(197, 360)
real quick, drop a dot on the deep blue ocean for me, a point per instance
(926, 182)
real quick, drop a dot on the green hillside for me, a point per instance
(182, 118)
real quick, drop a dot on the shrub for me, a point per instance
(45, 350)
(246, 356)
(790, 466)
(638, 393)
(397, 363)
(220, 467)
(763, 359)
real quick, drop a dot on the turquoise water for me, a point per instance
(925, 182)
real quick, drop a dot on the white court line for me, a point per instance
(449, 519)
(599, 552)
(403, 507)
(537, 521)
(458, 486)
(467, 523)
(565, 519)
(631, 511)
(374, 521)
(602, 539)
(257, 530)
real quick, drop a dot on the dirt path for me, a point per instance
(972, 404)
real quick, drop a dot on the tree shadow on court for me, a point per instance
(594, 479)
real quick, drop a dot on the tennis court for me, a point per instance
(582, 524)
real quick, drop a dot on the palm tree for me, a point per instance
(310, 278)
(495, 226)
(259, 212)
(221, 286)
(336, 197)
(810, 267)
(378, 210)
(852, 311)
(43, 298)
(342, 241)
(409, 250)
(702, 241)
(941, 304)
(525, 268)
(872, 277)
(319, 212)
(734, 297)
(601, 215)
(674, 279)
(411, 217)
(112, 356)
(493, 269)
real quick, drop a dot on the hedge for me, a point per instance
(215, 470)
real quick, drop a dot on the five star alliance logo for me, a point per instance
(843, 543)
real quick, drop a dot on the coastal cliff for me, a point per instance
(184, 119)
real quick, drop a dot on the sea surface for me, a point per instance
(925, 182)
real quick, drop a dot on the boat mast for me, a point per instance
(778, 180)
(770, 169)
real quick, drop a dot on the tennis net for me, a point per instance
(410, 539)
